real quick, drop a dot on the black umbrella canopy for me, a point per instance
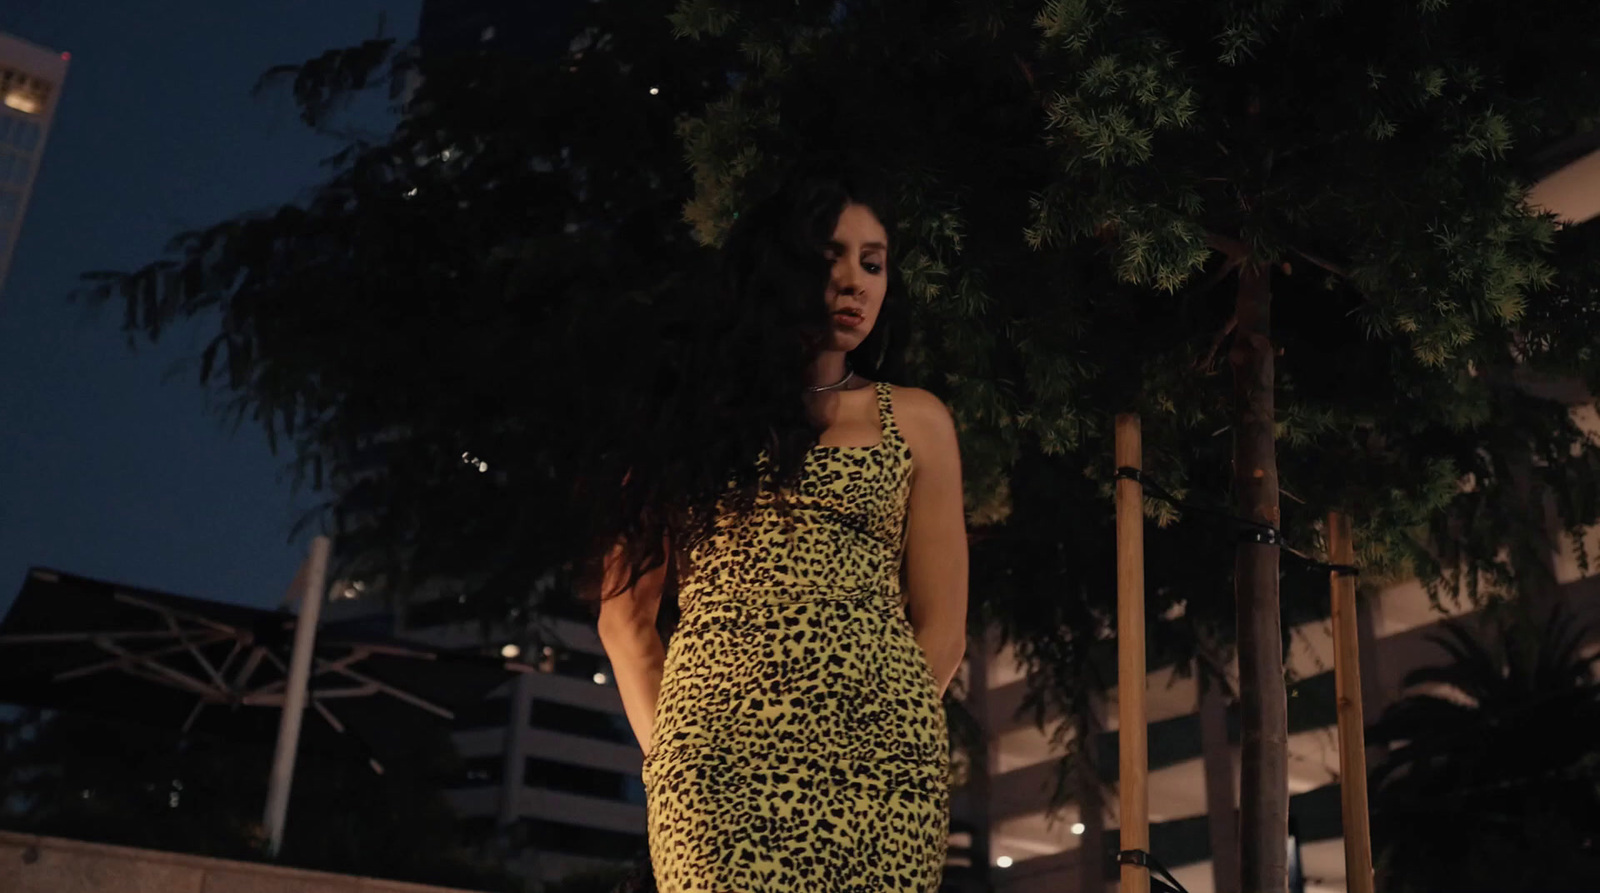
(73, 643)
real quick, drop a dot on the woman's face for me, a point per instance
(859, 252)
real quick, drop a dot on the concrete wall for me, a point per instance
(32, 864)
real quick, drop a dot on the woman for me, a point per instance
(810, 516)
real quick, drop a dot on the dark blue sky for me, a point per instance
(109, 466)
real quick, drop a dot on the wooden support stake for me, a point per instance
(1352, 726)
(1134, 750)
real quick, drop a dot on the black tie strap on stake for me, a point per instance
(1251, 531)
(1149, 863)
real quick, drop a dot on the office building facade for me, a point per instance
(1193, 747)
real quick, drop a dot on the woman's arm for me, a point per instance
(627, 628)
(935, 564)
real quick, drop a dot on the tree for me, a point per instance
(1364, 192)
(71, 775)
(1492, 778)
(1080, 179)
(432, 330)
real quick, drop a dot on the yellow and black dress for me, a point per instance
(800, 744)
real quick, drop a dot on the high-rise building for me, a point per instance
(30, 86)
(550, 763)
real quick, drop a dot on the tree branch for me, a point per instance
(1210, 359)
(1222, 272)
(1236, 250)
(1331, 267)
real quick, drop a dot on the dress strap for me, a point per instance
(891, 431)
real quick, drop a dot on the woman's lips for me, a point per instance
(848, 320)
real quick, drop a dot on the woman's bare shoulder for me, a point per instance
(923, 417)
(917, 400)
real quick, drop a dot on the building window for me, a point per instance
(486, 713)
(576, 840)
(479, 772)
(576, 664)
(588, 781)
(13, 169)
(19, 134)
(22, 93)
(589, 723)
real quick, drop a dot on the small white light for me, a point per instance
(510, 651)
(1077, 828)
(548, 651)
(412, 192)
(599, 679)
(655, 91)
(482, 466)
(1003, 861)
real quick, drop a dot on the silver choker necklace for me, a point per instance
(848, 374)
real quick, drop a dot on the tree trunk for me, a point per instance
(1222, 810)
(1263, 704)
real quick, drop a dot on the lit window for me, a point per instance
(24, 103)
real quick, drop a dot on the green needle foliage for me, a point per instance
(1082, 183)
(1082, 179)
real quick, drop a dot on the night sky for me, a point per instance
(111, 464)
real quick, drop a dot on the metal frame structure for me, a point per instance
(223, 663)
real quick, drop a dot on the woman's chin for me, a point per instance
(845, 342)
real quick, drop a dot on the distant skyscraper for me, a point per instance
(30, 84)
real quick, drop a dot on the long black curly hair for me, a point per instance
(743, 333)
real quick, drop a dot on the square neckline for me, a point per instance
(883, 424)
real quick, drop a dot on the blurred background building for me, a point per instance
(30, 86)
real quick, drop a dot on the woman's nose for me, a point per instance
(844, 279)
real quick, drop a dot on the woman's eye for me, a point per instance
(874, 269)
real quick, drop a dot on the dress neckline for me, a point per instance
(885, 424)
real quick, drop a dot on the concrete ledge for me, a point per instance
(33, 864)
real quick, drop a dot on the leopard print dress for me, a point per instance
(800, 742)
